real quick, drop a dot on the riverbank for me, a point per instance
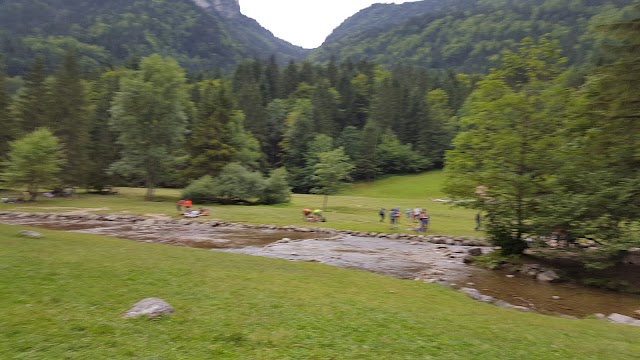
(424, 258)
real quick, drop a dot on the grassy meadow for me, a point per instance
(356, 208)
(63, 296)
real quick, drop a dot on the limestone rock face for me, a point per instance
(149, 307)
(227, 8)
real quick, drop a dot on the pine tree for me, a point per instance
(437, 130)
(71, 120)
(290, 79)
(31, 108)
(272, 83)
(325, 108)
(209, 144)
(249, 97)
(277, 112)
(7, 129)
(104, 149)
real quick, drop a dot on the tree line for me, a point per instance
(263, 116)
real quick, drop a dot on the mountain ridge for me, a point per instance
(466, 36)
(203, 35)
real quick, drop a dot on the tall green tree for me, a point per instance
(437, 129)
(277, 112)
(249, 96)
(599, 182)
(104, 148)
(247, 148)
(7, 130)
(502, 159)
(70, 111)
(34, 162)
(209, 142)
(330, 173)
(299, 133)
(149, 115)
(325, 102)
(31, 108)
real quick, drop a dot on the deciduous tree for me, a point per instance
(330, 173)
(502, 159)
(34, 162)
(148, 114)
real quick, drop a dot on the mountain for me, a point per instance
(464, 35)
(202, 34)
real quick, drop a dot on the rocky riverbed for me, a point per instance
(427, 258)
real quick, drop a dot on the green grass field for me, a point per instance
(356, 208)
(63, 296)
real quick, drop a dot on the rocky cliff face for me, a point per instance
(227, 8)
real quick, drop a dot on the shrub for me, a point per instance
(276, 190)
(202, 190)
(237, 184)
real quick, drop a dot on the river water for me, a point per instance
(405, 259)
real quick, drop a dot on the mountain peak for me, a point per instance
(228, 8)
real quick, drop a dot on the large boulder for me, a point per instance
(149, 307)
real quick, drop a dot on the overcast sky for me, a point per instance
(304, 22)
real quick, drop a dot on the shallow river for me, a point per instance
(399, 258)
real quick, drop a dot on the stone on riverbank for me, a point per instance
(548, 276)
(623, 319)
(476, 295)
(474, 251)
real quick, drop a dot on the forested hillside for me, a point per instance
(465, 35)
(109, 33)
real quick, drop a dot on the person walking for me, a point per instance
(478, 221)
(179, 206)
(382, 213)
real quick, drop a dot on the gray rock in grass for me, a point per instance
(31, 234)
(149, 307)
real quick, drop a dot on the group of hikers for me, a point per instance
(188, 212)
(414, 217)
